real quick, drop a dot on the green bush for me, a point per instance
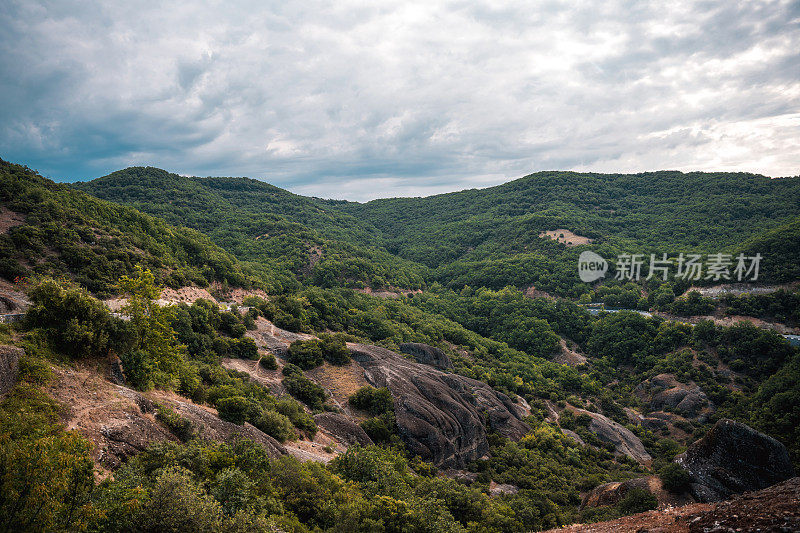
(674, 478)
(637, 501)
(374, 401)
(234, 409)
(334, 349)
(276, 425)
(306, 354)
(268, 362)
(306, 391)
(179, 426)
(244, 348)
(292, 409)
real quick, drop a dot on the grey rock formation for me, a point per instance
(427, 355)
(665, 391)
(9, 366)
(613, 493)
(733, 458)
(624, 442)
(342, 429)
(574, 436)
(442, 417)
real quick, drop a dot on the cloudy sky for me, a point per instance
(363, 99)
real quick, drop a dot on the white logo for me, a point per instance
(591, 267)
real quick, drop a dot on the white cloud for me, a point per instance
(360, 100)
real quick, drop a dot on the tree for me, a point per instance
(162, 358)
(78, 324)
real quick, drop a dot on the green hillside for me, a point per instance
(491, 236)
(51, 229)
(289, 234)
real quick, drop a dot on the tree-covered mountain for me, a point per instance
(491, 236)
(488, 237)
(291, 235)
(54, 230)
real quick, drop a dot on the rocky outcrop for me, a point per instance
(341, 428)
(9, 367)
(441, 417)
(427, 355)
(733, 458)
(664, 391)
(501, 489)
(210, 427)
(623, 440)
(121, 422)
(574, 436)
(775, 509)
(614, 492)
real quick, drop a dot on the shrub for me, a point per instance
(334, 349)
(372, 400)
(244, 348)
(674, 478)
(637, 501)
(380, 428)
(276, 425)
(137, 369)
(290, 408)
(290, 369)
(306, 354)
(179, 426)
(234, 409)
(305, 390)
(268, 361)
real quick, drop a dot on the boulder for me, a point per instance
(501, 489)
(342, 429)
(464, 476)
(9, 366)
(427, 355)
(614, 492)
(733, 458)
(665, 391)
(441, 417)
(574, 436)
(623, 440)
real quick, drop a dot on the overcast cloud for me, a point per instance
(360, 100)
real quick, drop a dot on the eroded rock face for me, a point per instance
(733, 458)
(342, 429)
(665, 391)
(9, 367)
(441, 417)
(427, 355)
(614, 492)
(624, 442)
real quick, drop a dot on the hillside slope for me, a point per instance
(289, 234)
(492, 236)
(51, 229)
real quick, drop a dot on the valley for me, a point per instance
(272, 362)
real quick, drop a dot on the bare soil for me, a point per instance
(566, 237)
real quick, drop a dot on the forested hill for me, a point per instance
(664, 210)
(50, 229)
(290, 235)
(487, 237)
(491, 237)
